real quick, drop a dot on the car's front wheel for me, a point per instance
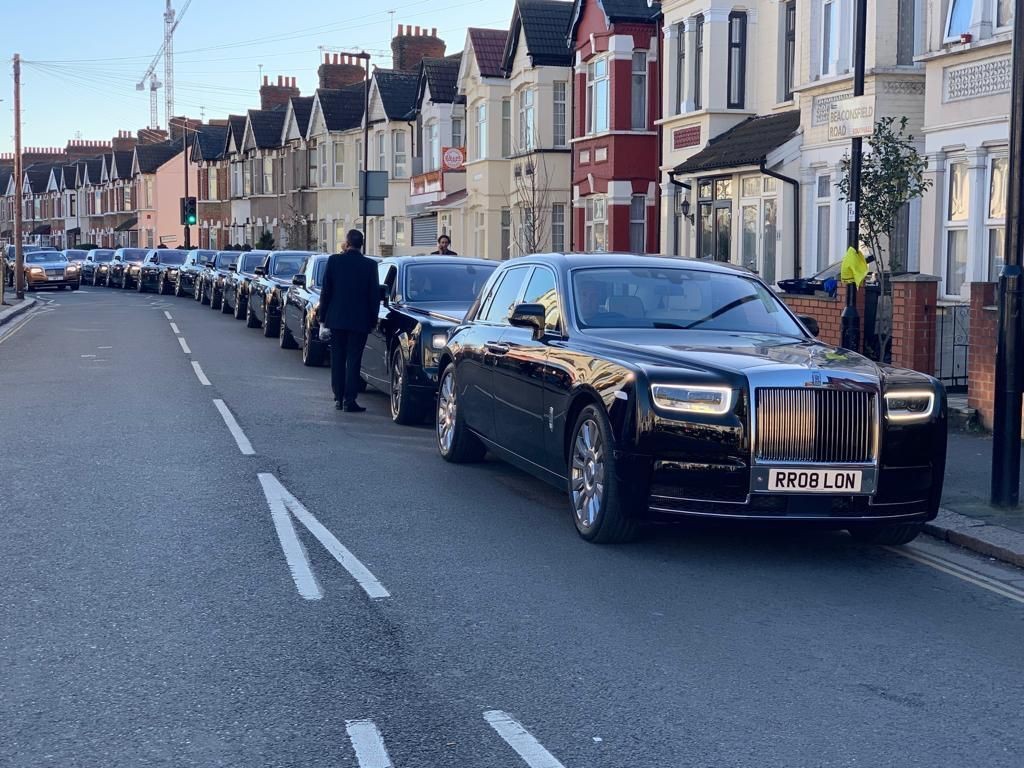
(455, 442)
(250, 318)
(270, 329)
(600, 506)
(285, 338)
(225, 308)
(404, 410)
(240, 307)
(204, 295)
(312, 348)
(887, 535)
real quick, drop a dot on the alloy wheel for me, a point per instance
(397, 380)
(447, 409)
(588, 462)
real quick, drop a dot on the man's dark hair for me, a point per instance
(354, 238)
(162, 245)
(444, 237)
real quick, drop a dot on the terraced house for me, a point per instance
(212, 202)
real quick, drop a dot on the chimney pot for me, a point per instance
(418, 33)
(266, 79)
(433, 31)
(327, 58)
(400, 27)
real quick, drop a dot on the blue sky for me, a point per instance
(82, 60)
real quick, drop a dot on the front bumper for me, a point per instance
(37, 281)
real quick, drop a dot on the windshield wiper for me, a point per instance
(668, 326)
(722, 310)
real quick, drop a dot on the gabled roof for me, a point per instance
(106, 166)
(748, 143)
(265, 125)
(342, 108)
(93, 170)
(544, 25)
(397, 92)
(441, 76)
(236, 132)
(209, 144)
(68, 176)
(5, 178)
(149, 157)
(122, 165)
(302, 107)
(38, 176)
(615, 11)
(489, 49)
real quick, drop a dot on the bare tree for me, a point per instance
(297, 227)
(530, 198)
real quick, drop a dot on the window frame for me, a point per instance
(642, 222)
(788, 49)
(458, 136)
(996, 28)
(559, 246)
(950, 225)
(559, 113)
(946, 37)
(338, 150)
(993, 224)
(480, 130)
(591, 223)
(638, 91)
(737, 59)
(527, 119)
(594, 124)
(399, 154)
(821, 202)
(698, 62)
(558, 329)
(825, 65)
(431, 137)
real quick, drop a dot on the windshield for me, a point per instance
(623, 297)
(251, 261)
(226, 259)
(134, 254)
(445, 282)
(42, 257)
(74, 254)
(171, 256)
(102, 254)
(287, 264)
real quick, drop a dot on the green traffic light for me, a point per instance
(191, 220)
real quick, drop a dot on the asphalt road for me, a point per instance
(156, 608)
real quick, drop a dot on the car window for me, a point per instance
(503, 297)
(226, 259)
(172, 257)
(680, 299)
(287, 265)
(250, 262)
(542, 290)
(445, 282)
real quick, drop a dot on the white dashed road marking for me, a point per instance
(174, 327)
(368, 744)
(184, 346)
(168, 315)
(236, 431)
(278, 498)
(200, 375)
(517, 737)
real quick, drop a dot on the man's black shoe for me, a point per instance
(337, 405)
(353, 408)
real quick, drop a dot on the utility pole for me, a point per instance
(19, 255)
(366, 142)
(1009, 381)
(184, 155)
(850, 319)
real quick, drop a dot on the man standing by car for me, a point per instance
(444, 247)
(349, 301)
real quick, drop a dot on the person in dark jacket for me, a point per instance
(444, 247)
(349, 303)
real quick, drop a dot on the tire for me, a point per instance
(76, 286)
(139, 286)
(270, 326)
(887, 535)
(455, 442)
(215, 302)
(600, 507)
(250, 318)
(285, 338)
(240, 307)
(225, 308)
(312, 349)
(160, 286)
(177, 288)
(203, 297)
(403, 409)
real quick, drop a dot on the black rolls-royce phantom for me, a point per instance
(424, 297)
(652, 388)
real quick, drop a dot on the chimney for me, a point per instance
(337, 71)
(124, 142)
(152, 136)
(278, 95)
(411, 45)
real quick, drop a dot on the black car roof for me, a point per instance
(438, 259)
(576, 260)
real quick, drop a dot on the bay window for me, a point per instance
(431, 146)
(595, 226)
(995, 221)
(401, 157)
(597, 96)
(558, 91)
(458, 132)
(958, 195)
(506, 127)
(321, 156)
(527, 127)
(638, 224)
(789, 50)
(382, 155)
(339, 162)
(681, 68)
(639, 87)
(268, 175)
(480, 145)
(829, 36)
(698, 63)
(211, 184)
(558, 228)
(737, 59)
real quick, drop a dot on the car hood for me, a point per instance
(48, 264)
(737, 353)
(450, 311)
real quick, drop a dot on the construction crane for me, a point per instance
(171, 22)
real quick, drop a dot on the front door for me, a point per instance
(520, 416)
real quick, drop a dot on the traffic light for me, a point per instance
(188, 211)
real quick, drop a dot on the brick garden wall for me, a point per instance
(825, 310)
(981, 352)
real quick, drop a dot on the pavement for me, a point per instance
(235, 574)
(13, 307)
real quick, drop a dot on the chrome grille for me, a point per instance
(55, 273)
(821, 426)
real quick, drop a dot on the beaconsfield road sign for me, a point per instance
(851, 117)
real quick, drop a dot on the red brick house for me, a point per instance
(615, 135)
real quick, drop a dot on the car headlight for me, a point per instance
(909, 406)
(103, 268)
(35, 270)
(72, 268)
(438, 340)
(688, 398)
(135, 269)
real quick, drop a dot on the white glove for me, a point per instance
(325, 333)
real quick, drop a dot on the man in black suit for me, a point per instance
(349, 302)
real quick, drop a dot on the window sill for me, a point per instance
(952, 47)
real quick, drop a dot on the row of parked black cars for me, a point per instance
(647, 388)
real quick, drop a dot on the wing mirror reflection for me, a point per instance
(299, 280)
(529, 316)
(810, 324)
(259, 271)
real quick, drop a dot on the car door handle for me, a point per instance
(496, 349)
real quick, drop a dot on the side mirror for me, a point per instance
(259, 271)
(529, 316)
(209, 264)
(232, 268)
(156, 260)
(299, 280)
(810, 324)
